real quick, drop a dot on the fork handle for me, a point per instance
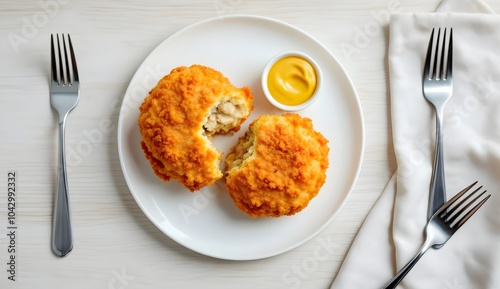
(393, 283)
(438, 188)
(62, 237)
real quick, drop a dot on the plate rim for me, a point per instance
(351, 88)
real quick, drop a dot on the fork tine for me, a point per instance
(449, 70)
(472, 211)
(437, 64)
(436, 55)
(53, 65)
(457, 204)
(453, 210)
(62, 76)
(428, 57)
(66, 62)
(442, 71)
(442, 211)
(459, 208)
(73, 60)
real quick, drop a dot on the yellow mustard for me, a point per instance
(292, 80)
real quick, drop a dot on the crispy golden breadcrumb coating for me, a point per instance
(277, 167)
(181, 113)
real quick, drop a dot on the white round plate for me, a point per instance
(207, 221)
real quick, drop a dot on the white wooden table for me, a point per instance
(116, 246)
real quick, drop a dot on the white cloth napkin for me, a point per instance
(393, 231)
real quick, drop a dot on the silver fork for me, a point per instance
(437, 88)
(64, 94)
(443, 224)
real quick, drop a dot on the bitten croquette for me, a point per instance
(180, 115)
(277, 167)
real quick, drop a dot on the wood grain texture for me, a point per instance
(116, 246)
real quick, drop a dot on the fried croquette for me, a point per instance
(180, 115)
(277, 167)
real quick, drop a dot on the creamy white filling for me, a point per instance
(223, 117)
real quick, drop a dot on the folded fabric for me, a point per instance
(393, 231)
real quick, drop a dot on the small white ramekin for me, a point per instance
(265, 88)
